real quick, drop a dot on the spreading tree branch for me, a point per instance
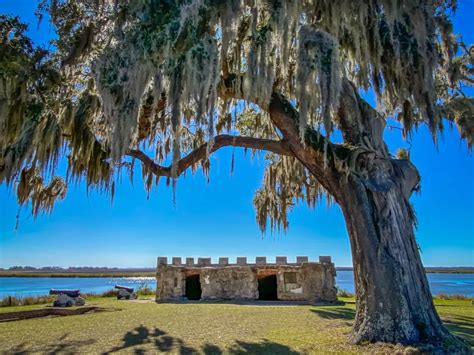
(285, 117)
(224, 140)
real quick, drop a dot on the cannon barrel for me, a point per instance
(129, 289)
(70, 293)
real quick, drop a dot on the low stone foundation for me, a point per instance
(301, 281)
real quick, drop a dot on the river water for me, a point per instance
(35, 286)
(38, 286)
(452, 284)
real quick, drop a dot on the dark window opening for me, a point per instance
(193, 287)
(290, 277)
(267, 288)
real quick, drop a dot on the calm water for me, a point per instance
(35, 286)
(459, 284)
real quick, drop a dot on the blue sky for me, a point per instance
(217, 218)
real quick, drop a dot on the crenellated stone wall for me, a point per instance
(301, 280)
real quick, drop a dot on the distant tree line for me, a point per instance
(58, 268)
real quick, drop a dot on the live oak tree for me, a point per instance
(165, 83)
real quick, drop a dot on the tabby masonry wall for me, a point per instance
(299, 281)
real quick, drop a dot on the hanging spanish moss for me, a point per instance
(318, 79)
(285, 183)
(32, 188)
(157, 75)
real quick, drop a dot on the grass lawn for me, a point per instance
(141, 326)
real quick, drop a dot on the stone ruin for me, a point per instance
(312, 282)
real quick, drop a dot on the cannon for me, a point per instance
(67, 298)
(125, 292)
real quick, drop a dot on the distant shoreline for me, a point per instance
(74, 274)
(432, 269)
(149, 272)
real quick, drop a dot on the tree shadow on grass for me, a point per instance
(162, 342)
(141, 335)
(335, 313)
(461, 326)
(61, 346)
(241, 347)
(210, 349)
(262, 347)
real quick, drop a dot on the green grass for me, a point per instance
(206, 328)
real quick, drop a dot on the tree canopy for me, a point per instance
(169, 82)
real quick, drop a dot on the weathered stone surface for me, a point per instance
(304, 281)
(162, 260)
(281, 260)
(204, 261)
(260, 260)
(223, 261)
(170, 283)
(176, 260)
(241, 260)
(290, 288)
(229, 283)
(301, 259)
(324, 259)
(320, 282)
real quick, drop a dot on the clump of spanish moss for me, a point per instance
(31, 187)
(285, 183)
(318, 79)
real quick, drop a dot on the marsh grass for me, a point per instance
(10, 301)
(145, 290)
(344, 293)
(458, 297)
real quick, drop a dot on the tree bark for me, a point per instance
(201, 153)
(394, 303)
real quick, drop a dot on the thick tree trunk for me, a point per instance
(394, 303)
